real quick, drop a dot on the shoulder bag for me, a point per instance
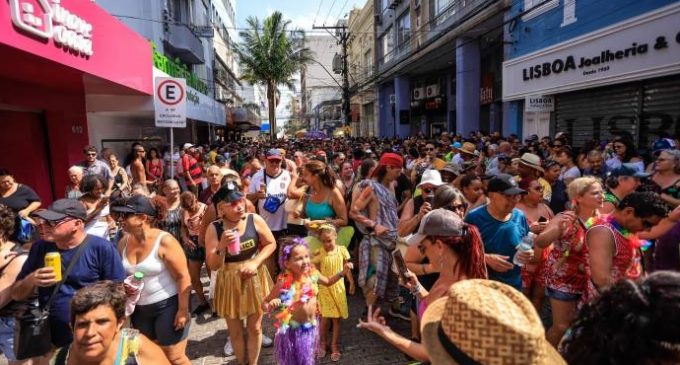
(32, 337)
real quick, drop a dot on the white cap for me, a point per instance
(431, 177)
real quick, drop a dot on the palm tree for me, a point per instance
(270, 55)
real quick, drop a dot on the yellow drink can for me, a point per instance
(53, 260)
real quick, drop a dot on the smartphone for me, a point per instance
(542, 219)
(401, 265)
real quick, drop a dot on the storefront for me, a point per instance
(620, 79)
(54, 54)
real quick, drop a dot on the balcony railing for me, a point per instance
(183, 43)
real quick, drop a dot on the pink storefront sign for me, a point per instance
(80, 35)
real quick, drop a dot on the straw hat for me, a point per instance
(485, 322)
(469, 149)
(531, 160)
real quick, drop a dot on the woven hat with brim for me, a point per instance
(62, 208)
(452, 168)
(432, 177)
(137, 204)
(531, 160)
(485, 322)
(468, 148)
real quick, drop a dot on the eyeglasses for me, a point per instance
(53, 224)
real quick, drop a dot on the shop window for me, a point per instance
(541, 6)
(404, 29)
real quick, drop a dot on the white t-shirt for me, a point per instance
(275, 186)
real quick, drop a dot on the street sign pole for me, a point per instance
(170, 109)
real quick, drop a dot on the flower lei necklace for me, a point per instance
(632, 239)
(294, 293)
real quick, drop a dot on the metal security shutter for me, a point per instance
(660, 110)
(598, 113)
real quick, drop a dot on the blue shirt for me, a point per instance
(99, 261)
(501, 238)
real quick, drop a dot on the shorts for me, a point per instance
(157, 321)
(561, 295)
(197, 253)
(7, 337)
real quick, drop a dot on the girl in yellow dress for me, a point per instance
(332, 299)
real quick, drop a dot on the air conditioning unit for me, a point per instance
(432, 90)
(418, 93)
(377, 19)
(393, 99)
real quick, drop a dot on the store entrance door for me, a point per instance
(24, 151)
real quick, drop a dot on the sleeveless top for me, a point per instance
(173, 223)
(387, 213)
(318, 211)
(155, 168)
(249, 240)
(126, 354)
(13, 307)
(158, 281)
(626, 262)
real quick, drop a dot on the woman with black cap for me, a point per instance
(162, 312)
(237, 245)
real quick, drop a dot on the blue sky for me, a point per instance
(302, 13)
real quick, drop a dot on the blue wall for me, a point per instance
(386, 118)
(544, 30)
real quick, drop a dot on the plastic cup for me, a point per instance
(234, 247)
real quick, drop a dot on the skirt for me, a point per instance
(237, 299)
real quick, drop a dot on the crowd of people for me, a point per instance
(496, 250)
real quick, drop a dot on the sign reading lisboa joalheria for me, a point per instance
(641, 47)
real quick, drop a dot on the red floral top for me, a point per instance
(565, 267)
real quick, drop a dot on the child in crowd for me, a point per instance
(294, 298)
(333, 299)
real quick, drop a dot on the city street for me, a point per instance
(208, 335)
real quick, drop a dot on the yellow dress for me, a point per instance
(332, 299)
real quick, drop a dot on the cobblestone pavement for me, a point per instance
(358, 347)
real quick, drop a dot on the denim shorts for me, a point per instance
(7, 337)
(157, 322)
(561, 296)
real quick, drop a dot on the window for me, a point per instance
(368, 62)
(404, 28)
(388, 44)
(530, 4)
(441, 5)
(383, 5)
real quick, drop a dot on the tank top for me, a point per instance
(126, 350)
(158, 282)
(249, 240)
(317, 211)
(155, 168)
(173, 223)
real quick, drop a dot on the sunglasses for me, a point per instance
(53, 224)
(119, 215)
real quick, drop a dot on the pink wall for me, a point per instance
(66, 130)
(119, 54)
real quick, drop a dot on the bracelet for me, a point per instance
(341, 274)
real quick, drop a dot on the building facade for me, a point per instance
(189, 39)
(594, 69)
(361, 53)
(438, 66)
(55, 56)
(322, 89)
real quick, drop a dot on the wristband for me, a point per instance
(416, 289)
(341, 274)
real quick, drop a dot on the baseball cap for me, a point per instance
(504, 184)
(220, 159)
(274, 154)
(229, 192)
(663, 144)
(187, 145)
(61, 209)
(439, 222)
(137, 204)
(628, 169)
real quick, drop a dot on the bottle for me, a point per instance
(526, 245)
(133, 288)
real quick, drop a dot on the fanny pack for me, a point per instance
(272, 204)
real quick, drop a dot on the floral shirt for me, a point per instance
(565, 269)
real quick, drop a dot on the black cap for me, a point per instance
(628, 169)
(504, 184)
(229, 192)
(61, 209)
(137, 204)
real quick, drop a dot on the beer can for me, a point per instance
(53, 260)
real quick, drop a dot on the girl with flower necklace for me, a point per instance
(294, 299)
